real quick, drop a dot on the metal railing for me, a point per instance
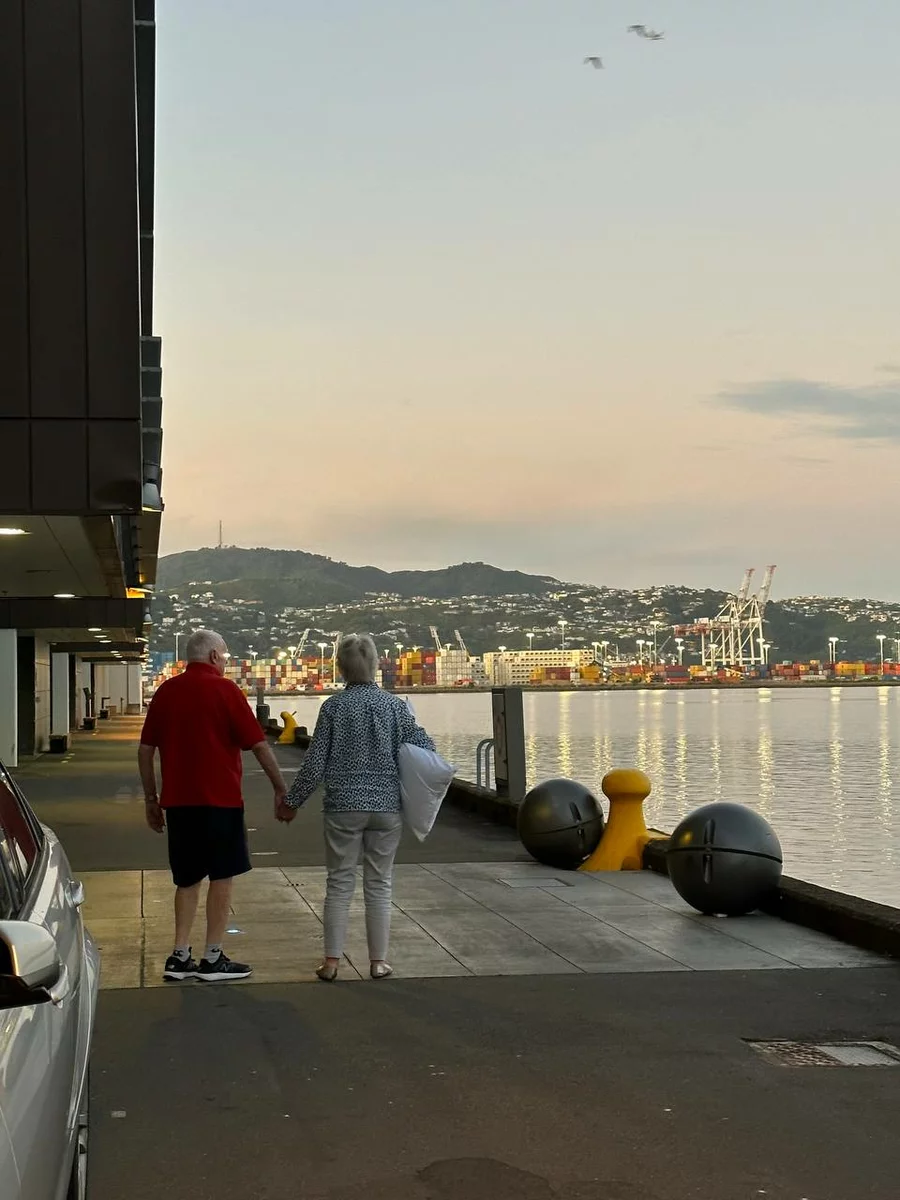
(484, 761)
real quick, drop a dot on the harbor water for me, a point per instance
(821, 765)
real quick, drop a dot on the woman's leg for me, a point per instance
(343, 840)
(380, 842)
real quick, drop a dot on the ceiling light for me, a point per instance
(94, 629)
(63, 595)
(12, 531)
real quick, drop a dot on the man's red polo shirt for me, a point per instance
(200, 722)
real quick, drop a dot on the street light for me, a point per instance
(640, 646)
(896, 642)
(655, 626)
(765, 647)
(679, 643)
(322, 646)
(832, 649)
(530, 637)
(881, 637)
(596, 646)
(562, 625)
(177, 637)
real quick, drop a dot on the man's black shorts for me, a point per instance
(206, 842)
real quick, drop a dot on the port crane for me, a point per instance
(461, 643)
(436, 638)
(735, 636)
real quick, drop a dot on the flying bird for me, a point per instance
(596, 63)
(650, 35)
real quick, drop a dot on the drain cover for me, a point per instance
(828, 1054)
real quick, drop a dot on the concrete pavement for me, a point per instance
(555, 1037)
(92, 797)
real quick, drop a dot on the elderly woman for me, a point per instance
(354, 751)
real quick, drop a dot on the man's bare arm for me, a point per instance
(147, 767)
(268, 762)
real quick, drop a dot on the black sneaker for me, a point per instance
(177, 968)
(223, 970)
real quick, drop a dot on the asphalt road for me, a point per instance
(635, 1087)
(94, 802)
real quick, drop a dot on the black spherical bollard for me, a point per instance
(560, 823)
(724, 859)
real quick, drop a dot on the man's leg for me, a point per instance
(218, 910)
(188, 870)
(186, 901)
(228, 856)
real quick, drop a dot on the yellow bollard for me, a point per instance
(286, 737)
(622, 845)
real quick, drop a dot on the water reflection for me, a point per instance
(817, 763)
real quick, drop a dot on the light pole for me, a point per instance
(679, 642)
(655, 650)
(596, 646)
(765, 647)
(896, 642)
(881, 638)
(832, 649)
(640, 646)
(530, 637)
(562, 625)
(604, 646)
(177, 637)
(399, 651)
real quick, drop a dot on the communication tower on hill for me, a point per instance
(735, 636)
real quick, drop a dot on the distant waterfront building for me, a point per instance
(516, 668)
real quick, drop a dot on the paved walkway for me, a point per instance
(548, 1036)
(457, 919)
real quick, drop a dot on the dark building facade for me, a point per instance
(81, 399)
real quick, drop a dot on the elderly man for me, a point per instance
(200, 722)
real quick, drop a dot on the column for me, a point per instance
(9, 700)
(135, 689)
(59, 694)
(82, 680)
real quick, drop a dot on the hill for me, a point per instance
(293, 576)
(261, 599)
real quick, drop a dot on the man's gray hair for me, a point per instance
(357, 658)
(201, 644)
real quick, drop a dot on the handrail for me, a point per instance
(484, 754)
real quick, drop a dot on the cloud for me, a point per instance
(888, 368)
(867, 413)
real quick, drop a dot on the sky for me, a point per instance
(433, 290)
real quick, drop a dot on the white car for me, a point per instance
(49, 974)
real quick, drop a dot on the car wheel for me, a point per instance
(78, 1182)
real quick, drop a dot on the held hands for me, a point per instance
(155, 816)
(283, 811)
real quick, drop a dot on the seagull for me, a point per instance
(651, 35)
(596, 63)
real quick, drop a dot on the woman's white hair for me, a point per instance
(357, 658)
